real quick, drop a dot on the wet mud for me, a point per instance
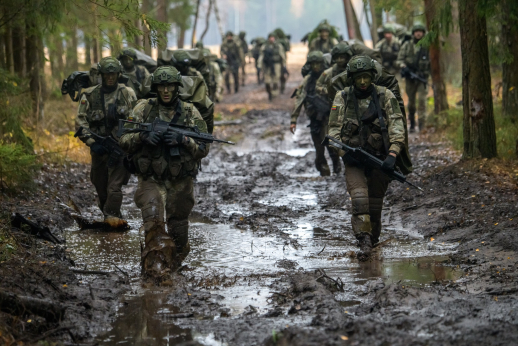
(272, 257)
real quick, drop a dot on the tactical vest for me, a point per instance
(104, 120)
(162, 162)
(271, 54)
(367, 133)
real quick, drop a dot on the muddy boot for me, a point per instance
(421, 122)
(323, 168)
(337, 164)
(115, 222)
(228, 89)
(158, 258)
(269, 91)
(179, 231)
(375, 209)
(411, 117)
(365, 244)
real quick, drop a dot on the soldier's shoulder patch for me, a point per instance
(333, 108)
(131, 118)
(83, 102)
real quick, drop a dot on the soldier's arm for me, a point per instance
(82, 120)
(400, 62)
(336, 117)
(321, 84)
(396, 125)
(198, 151)
(261, 58)
(282, 52)
(299, 102)
(379, 44)
(131, 142)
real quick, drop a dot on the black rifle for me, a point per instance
(367, 160)
(407, 73)
(162, 127)
(108, 143)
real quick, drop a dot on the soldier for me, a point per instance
(136, 72)
(271, 60)
(244, 47)
(341, 54)
(415, 59)
(323, 43)
(182, 62)
(199, 45)
(100, 108)
(233, 53)
(215, 78)
(256, 52)
(165, 182)
(283, 39)
(389, 48)
(369, 116)
(317, 109)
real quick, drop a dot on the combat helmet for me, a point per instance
(341, 49)
(242, 35)
(272, 34)
(166, 75)
(180, 59)
(128, 52)
(109, 65)
(316, 56)
(324, 27)
(229, 33)
(418, 27)
(360, 63)
(199, 45)
(389, 29)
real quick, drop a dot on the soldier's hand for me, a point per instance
(151, 138)
(402, 66)
(389, 163)
(98, 149)
(293, 127)
(172, 138)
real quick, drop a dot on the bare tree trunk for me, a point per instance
(479, 123)
(88, 49)
(72, 64)
(161, 15)
(146, 40)
(137, 40)
(349, 20)
(115, 44)
(357, 30)
(181, 37)
(509, 68)
(193, 40)
(56, 56)
(18, 35)
(218, 19)
(96, 47)
(33, 71)
(2, 51)
(8, 39)
(207, 21)
(374, 24)
(439, 88)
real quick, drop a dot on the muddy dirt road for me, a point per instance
(273, 257)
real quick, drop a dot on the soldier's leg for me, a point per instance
(236, 79)
(337, 163)
(117, 176)
(421, 105)
(378, 184)
(357, 187)
(316, 129)
(283, 81)
(411, 89)
(268, 82)
(159, 251)
(99, 178)
(180, 201)
(276, 79)
(243, 74)
(227, 80)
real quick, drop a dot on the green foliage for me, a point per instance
(17, 167)
(333, 33)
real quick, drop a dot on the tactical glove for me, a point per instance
(389, 163)
(98, 149)
(151, 138)
(172, 138)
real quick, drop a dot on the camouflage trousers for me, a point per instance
(318, 129)
(272, 78)
(367, 188)
(170, 201)
(108, 183)
(415, 88)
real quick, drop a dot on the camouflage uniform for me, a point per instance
(215, 83)
(306, 95)
(271, 60)
(100, 110)
(367, 187)
(235, 57)
(165, 182)
(244, 47)
(341, 49)
(256, 52)
(317, 44)
(389, 52)
(416, 58)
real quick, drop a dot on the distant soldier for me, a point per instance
(323, 43)
(317, 108)
(271, 60)
(244, 47)
(100, 108)
(215, 78)
(199, 45)
(283, 39)
(414, 59)
(389, 48)
(182, 62)
(165, 182)
(341, 54)
(232, 52)
(367, 116)
(127, 57)
(256, 52)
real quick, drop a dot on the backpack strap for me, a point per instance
(147, 109)
(383, 126)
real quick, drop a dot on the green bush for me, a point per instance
(17, 167)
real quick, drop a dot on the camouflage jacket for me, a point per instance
(389, 53)
(323, 46)
(157, 161)
(233, 52)
(415, 57)
(346, 126)
(325, 78)
(317, 107)
(216, 82)
(139, 73)
(271, 53)
(103, 118)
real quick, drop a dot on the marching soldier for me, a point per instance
(232, 52)
(100, 108)
(127, 58)
(341, 54)
(244, 47)
(271, 60)
(215, 78)
(256, 52)
(323, 43)
(389, 48)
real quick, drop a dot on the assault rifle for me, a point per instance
(407, 73)
(367, 160)
(319, 104)
(162, 127)
(108, 143)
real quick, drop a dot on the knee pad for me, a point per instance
(361, 224)
(360, 205)
(151, 212)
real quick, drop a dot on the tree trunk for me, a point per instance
(207, 21)
(146, 40)
(439, 88)
(18, 35)
(96, 48)
(137, 40)
(115, 44)
(8, 39)
(161, 15)
(510, 68)
(72, 64)
(34, 71)
(374, 24)
(193, 40)
(2, 52)
(349, 20)
(88, 50)
(181, 37)
(478, 121)
(359, 35)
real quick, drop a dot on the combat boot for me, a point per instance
(179, 231)
(323, 168)
(158, 258)
(115, 222)
(411, 117)
(269, 91)
(337, 164)
(365, 244)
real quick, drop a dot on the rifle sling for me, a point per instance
(383, 126)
